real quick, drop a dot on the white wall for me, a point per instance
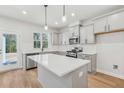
(25, 32)
(110, 51)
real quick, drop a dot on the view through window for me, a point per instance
(37, 40)
(9, 49)
(45, 40)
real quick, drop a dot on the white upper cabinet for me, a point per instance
(90, 34)
(64, 37)
(100, 25)
(55, 38)
(109, 23)
(83, 35)
(60, 38)
(87, 34)
(116, 21)
(74, 31)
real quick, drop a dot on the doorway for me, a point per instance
(8, 51)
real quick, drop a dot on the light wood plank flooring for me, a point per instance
(28, 79)
(19, 79)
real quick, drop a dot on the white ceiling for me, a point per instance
(35, 13)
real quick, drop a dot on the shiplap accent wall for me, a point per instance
(110, 51)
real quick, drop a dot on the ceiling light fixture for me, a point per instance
(64, 16)
(45, 26)
(24, 12)
(72, 14)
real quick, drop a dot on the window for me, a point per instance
(45, 40)
(37, 40)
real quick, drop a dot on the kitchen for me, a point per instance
(80, 51)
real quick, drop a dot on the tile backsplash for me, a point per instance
(86, 48)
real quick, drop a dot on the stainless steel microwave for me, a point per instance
(73, 41)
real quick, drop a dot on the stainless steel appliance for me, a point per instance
(77, 53)
(74, 52)
(73, 40)
(71, 54)
(30, 63)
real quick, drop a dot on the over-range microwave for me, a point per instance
(74, 41)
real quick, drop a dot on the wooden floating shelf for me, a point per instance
(113, 31)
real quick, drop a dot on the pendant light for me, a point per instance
(45, 26)
(64, 16)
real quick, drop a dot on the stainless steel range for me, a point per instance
(73, 53)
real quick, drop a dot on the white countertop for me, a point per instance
(87, 53)
(28, 52)
(59, 65)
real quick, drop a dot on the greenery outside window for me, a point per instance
(37, 40)
(45, 40)
(10, 43)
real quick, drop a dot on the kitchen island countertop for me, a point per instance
(57, 64)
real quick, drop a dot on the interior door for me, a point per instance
(9, 54)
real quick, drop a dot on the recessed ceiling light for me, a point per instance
(24, 12)
(56, 23)
(72, 14)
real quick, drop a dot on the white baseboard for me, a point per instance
(110, 73)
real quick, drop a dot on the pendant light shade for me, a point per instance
(45, 26)
(64, 16)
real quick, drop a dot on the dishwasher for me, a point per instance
(30, 63)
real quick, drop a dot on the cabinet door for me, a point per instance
(65, 38)
(100, 25)
(87, 34)
(74, 31)
(60, 38)
(55, 38)
(90, 34)
(83, 35)
(116, 21)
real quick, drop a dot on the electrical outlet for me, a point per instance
(115, 66)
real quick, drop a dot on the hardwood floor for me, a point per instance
(100, 80)
(28, 79)
(19, 79)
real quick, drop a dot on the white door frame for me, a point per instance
(19, 62)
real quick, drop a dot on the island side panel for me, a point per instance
(75, 79)
(50, 80)
(80, 77)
